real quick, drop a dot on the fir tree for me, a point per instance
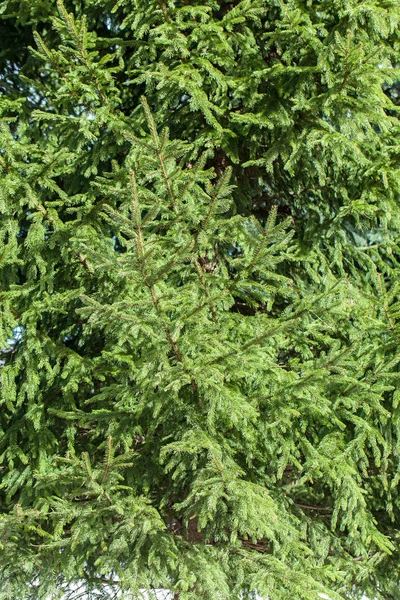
(199, 292)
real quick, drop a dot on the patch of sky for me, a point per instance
(17, 335)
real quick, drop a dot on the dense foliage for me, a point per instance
(200, 317)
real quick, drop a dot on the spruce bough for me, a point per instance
(199, 299)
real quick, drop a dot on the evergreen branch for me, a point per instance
(85, 262)
(257, 340)
(56, 66)
(200, 272)
(155, 299)
(80, 45)
(223, 179)
(385, 305)
(108, 460)
(159, 153)
(106, 310)
(270, 223)
(137, 141)
(161, 4)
